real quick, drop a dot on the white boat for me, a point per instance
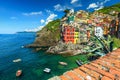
(47, 70)
(17, 60)
(63, 63)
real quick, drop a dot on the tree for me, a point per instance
(66, 11)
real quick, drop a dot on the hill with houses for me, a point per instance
(80, 32)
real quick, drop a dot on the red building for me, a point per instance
(68, 34)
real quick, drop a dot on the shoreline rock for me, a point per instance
(37, 47)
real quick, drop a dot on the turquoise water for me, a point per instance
(32, 62)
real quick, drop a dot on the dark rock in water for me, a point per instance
(37, 47)
(32, 46)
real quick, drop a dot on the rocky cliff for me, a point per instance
(47, 36)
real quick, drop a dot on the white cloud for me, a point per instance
(34, 30)
(42, 21)
(13, 18)
(71, 5)
(78, 5)
(99, 8)
(92, 5)
(48, 11)
(101, 4)
(105, 1)
(58, 7)
(97, 5)
(73, 1)
(32, 13)
(50, 18)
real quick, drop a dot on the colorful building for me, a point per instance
(80, 26)
(99, 30)
(88, 34)
(76, 37)
(71, 19)
(68, 34)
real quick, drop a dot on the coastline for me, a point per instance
(32, 63)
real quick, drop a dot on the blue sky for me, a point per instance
(32, 15)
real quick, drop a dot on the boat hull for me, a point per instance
(18, 73)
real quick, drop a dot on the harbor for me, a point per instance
(31, 63)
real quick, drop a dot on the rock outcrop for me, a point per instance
(47, 36)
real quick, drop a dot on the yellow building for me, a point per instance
(76, 37)
(105, 32)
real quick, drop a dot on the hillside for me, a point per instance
(109, 10)
(50, 34)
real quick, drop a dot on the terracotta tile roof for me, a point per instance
(63, 77)
(104, 68)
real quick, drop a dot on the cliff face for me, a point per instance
(49, 35)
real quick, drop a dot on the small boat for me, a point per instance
(17, 60)
(79, 62)
(47, 70)
(63, 63)
(18, 73)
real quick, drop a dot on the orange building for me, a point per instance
(88, 34)
(68, 34)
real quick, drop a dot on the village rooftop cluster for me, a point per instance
(77, 27)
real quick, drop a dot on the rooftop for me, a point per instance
(104, 68)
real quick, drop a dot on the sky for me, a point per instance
(32, 15)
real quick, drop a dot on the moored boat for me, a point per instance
(18, 73)
(47, 70)
(79, 62)
(17, 60)
(63, 63)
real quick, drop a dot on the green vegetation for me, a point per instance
(66, 12)
(116, 43)
(107, 10)
(53, 25)
(49, 35)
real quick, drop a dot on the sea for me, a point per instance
(32, 63)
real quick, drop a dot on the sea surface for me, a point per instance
(33, 63)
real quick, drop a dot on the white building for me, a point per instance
(99, 31)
